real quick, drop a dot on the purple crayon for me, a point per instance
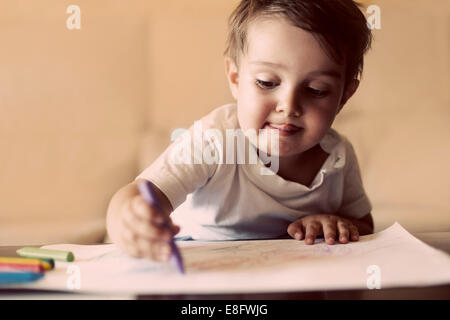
(147, 192)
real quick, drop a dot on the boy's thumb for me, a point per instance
(295, 230)
(174, 227)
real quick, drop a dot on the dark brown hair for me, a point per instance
(339, 26)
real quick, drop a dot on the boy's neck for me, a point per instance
(303, 167)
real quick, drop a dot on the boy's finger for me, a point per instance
(158, 250)
(128, 243)
(167, 225)
(295, 230)
(133, 251)
(133, 223)
(312, 230)
(128, 236)
(172, 226)
(141, 209)
(145, 247)
(354, 234)
(157, 221)
(138, 247)
(148, 214)
(146, 230)
(343, 231)
(176, 229)
(329, 232)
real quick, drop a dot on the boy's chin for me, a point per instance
(276, 153)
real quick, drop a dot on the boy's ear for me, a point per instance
(350, 90)
(232, 74)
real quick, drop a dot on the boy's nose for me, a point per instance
(290, 109)
(289, 103)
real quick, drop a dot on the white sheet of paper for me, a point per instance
(391, 258)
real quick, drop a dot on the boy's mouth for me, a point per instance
(284, 129)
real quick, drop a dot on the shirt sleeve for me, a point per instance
(181, 168)
(355, 203)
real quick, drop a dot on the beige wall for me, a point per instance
(399, 118)
(81, 112)
(73, 106)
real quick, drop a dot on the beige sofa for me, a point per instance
(83, 111)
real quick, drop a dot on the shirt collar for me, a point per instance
(334, 145)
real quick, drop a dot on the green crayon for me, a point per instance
(38, 253)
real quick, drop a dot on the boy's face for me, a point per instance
(286, 78)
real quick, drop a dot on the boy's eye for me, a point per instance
(266, 85)
(316, 92)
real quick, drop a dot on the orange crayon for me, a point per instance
(26, 264)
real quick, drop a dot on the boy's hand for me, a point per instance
(143, 233)
(328, 226)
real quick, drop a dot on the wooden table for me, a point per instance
(439, 240)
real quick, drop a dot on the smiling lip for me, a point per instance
(284, 129)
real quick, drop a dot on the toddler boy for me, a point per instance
(291, 66)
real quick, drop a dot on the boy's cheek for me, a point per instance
(251, 115)
(319, 121)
